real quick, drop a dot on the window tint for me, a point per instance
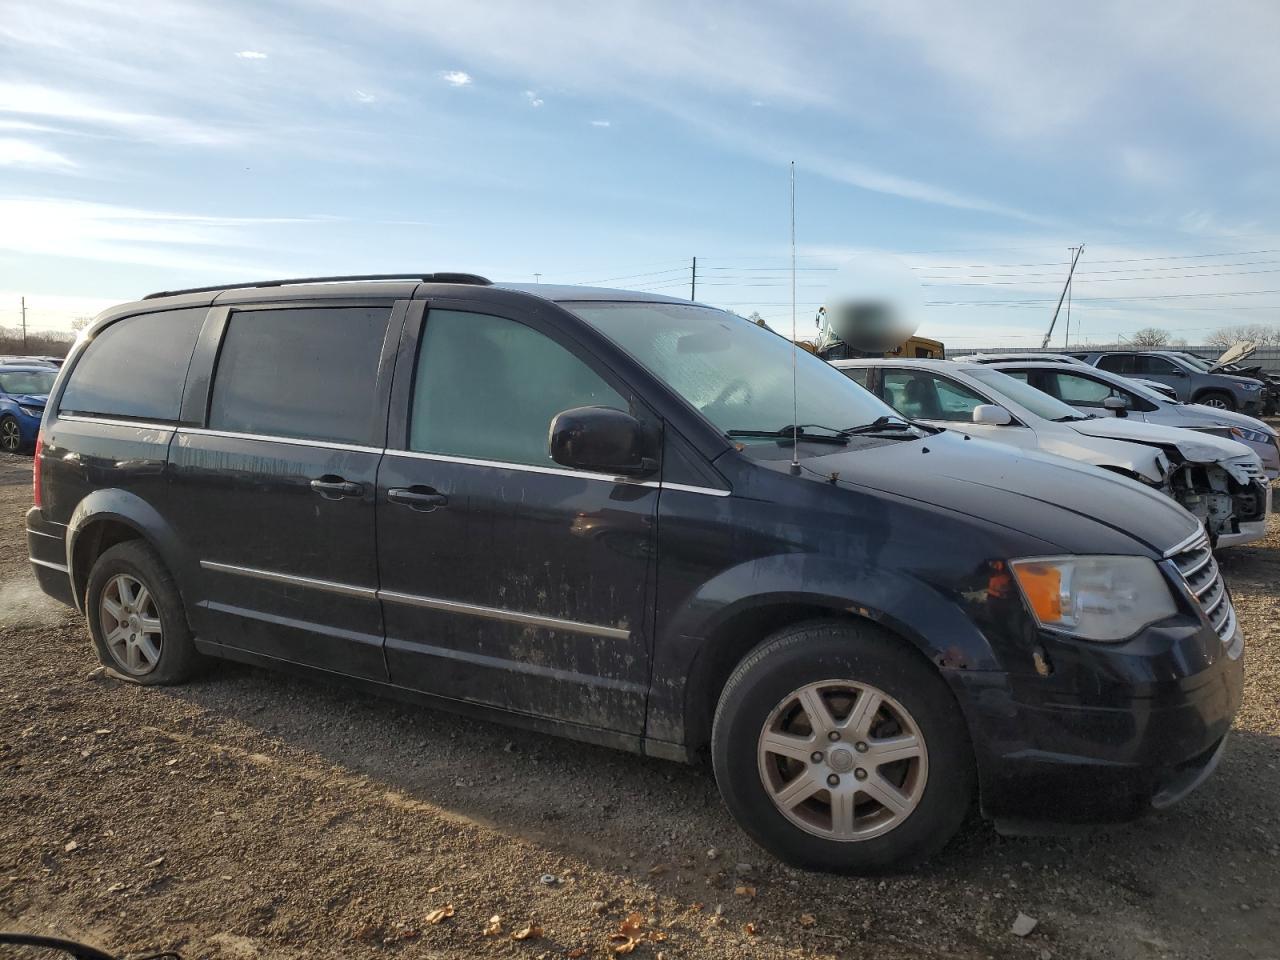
(488, 388)
(1082, 391)
(922, 396)
(859, 375)
(1154, 365)
(1117, 363)
(307, 373)
(135, 367)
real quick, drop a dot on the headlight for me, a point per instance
(1251, 387)
(1094, 598)
(36, 412)
(1250, 436)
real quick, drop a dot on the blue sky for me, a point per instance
(152, 145)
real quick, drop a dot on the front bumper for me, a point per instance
(1115, 730)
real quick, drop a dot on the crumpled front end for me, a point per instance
(1230, 497)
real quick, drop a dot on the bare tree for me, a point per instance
(79, 323)
(1150, 337)
(1260, 333)
(756, 318)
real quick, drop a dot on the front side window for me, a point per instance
(308, 373)
(918, 395)
(1155, 366)
(1082, 391)
(1024, 395)
(31, 383)
(135, 367)
(488, 388)
(736, 374)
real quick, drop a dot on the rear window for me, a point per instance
(35, 383)
(135, 368)
(305, 373)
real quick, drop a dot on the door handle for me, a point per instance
(335, 488)
(422, 499)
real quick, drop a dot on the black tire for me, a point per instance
(178, 659)
(1218, 399)
(10, 434)
(818, 651)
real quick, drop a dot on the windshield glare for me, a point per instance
(737, 374)
(1025, 395)
(18, 383)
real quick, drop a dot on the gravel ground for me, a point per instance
(252, 815)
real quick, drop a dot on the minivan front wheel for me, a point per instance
(136, 617)
(839, 749)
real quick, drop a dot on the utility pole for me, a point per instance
(537, 278)
(1066, 337)
(24, 324)
(1049, 333)
(693, 280)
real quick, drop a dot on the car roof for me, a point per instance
(942, 366)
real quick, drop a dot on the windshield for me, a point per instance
(1025, 395)
(1198, 362)
(737, 374)
(18, 383)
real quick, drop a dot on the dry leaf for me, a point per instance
(493, 927)
(531, 932)
(658, 869)
(808, 920)
(70, 845)
(748, 892)
(621, 943)
(752, 930)
(576, 952)
(633, 924)
(440, 913)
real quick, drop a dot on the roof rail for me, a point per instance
(423, 277)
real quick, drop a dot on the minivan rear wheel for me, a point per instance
(837, 748)
(136, 617)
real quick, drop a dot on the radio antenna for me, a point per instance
(795, 400)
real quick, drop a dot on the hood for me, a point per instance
(1236, 353)
(31, 400)
(1196, 447)
(1203, 416)
(1041, 496)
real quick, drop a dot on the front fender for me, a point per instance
(930, 617)
(121, 506)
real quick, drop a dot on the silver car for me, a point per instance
(1108, 394)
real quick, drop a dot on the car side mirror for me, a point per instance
(992, 415)
(1177, 373)
(1117, 405)
(602, 439)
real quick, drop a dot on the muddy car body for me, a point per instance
(575, 509)
(1219, 480)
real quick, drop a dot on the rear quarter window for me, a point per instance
(135, 368)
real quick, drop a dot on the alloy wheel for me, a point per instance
(1216, 402)
(10, 435)
(130, 624)
(843, 760)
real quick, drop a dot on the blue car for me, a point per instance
(23, 392)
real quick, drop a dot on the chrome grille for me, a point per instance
(1194, 560)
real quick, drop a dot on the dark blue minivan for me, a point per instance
(609, 516)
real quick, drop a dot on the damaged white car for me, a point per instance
(1218, 480)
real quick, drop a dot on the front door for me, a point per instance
(274, 492)
(508, 580)
(943, 402)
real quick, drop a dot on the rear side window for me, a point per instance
(1116, 363)
(135, 368)
(859, 375)
(306, 373)
(1156, 366)
(489, 388)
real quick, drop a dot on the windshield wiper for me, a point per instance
(877, 425)
(800, 432)
(1070, 419)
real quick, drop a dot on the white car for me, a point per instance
(1105, 394)
(1028, 356)
(1219, 481)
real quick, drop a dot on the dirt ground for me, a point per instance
(252, 815)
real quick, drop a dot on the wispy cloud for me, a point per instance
(602, 123)
(24, 153)
(362, 97)
(251, 55)
(456, 78)
(29, 99)
(533, 98)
